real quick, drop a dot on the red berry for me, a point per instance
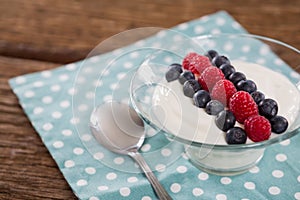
(222, 91)
(210, 76)
(199, 64)
(242, 105)
(188, 59)
(257, 128)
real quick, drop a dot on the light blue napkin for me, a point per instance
(59, 102)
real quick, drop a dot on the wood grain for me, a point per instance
(39, 35)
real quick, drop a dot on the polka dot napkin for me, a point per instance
(59, 103)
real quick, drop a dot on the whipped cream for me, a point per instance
(176, 113)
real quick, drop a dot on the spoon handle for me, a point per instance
(158, 188)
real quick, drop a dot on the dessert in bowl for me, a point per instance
(227, 105)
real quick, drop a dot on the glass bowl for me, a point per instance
(270, 63)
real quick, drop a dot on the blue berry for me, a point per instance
(268, 108)
(174, 72)
(257, 96)
(225, 120)
(190, 87)
(279, 124)
(211, 54)
(184, 76)
(213, 107)
(236, 135)
(220, 60)
(227, 70)
(201, 98)
(246, 85)
(235, 77)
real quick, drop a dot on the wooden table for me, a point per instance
(39, 35)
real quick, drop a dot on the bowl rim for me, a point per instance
(262, 144)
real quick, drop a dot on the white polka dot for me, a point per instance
(20, 80)
(166, 152)
(128, 65)
(78, 151)
(46, 74)
(38, 84)
(140, 43)
(114, 86)
(55, 88)
(236, 25)
(285, 142)
(203, 176)
(297, 195)
(221, 197)
(220, 21)
(146, 147)
(111, 176)
(161, 34)
(69, 163)
(264, 50)
(177, 38)
(90, 170)
(56, 115)
(63, 77)
(175, 188)
(38, 110)
(81, 182)
(102, 188)
(134, 55)
(181, 169)
(295, 74)
(83, 107)
(156, 45)
(215, 31)
(278, 61)
(246, 48)
(90, 95)
(281, 157)
(274, 190)
(98, 156)
(198, 29)
(225, 180)
(277, 173)
(86, 137)
(254, 170)
(93, 198)
(125, 191)
(72, 91)
(146, 198)
(197, 192)
(184, 156)
(249, 185)
(121, 75)
(228, 46)
(58, 144)
(183, 26)
(298, 178)
(80, 80)
(47, 99)
(64, 104)
(29, 94)
(107, 98)
(168, 59)
(160, 167)
(67, 132)
(151, 132)
(87, 70)
(70, 67)
(47, 126)
(74, 120)
(261, 61)
(119, 160)
(132, 179)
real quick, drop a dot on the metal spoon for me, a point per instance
(118, 128)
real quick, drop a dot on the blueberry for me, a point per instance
(268, 108)
(211, 54)
(246, 85)
(201, 98)
(174, 72)
(257, 96)
(190, 87)
(225, 120)
(278, 124)
(184, 76)
(236, 135)
(227, 70)
(235, 77)
(220, 60)
(213, 107)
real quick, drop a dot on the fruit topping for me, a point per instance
(225, 120)
(227, 70)
(257, 96)
(242, 105)
(201, 98)
(268, 108)
(190, 87)
(174, 71)
(188, 59)
(257, 128)
(220, 60)
(184, 76)
(246, 85)
(235, 77)
(222, 91)
(199, 64)
(236, 135)
(210, 77)
(211, 54)
(213, 107)
(278, 124)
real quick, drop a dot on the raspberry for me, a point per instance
(210, 76)
(188, 59)
(242, 105)
(199, 63)
(222, 91)
(257, 128)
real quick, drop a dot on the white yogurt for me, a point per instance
(178, 115)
